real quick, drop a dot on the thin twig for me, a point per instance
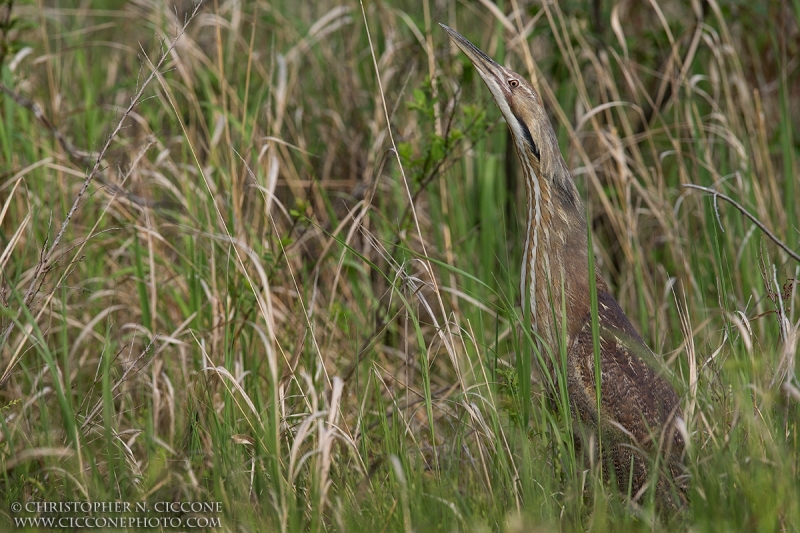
(43, 266)
(744, 211)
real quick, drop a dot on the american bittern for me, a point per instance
(639, 410)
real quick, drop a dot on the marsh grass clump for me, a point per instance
(291, 282)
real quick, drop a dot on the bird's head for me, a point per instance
(518, 101)
(527, 119)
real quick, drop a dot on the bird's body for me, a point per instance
(638, 407)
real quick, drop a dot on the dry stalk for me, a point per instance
(44, 265)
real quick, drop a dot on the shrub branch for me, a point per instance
(744, 211)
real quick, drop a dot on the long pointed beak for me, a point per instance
(488, 68)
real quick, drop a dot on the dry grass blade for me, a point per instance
(35, 454)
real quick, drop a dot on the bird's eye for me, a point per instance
(513, 83)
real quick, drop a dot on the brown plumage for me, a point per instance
(639, 410)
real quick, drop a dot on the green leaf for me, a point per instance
(405, 150)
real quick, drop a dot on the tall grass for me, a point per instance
(293, 289)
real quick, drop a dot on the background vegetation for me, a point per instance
(273, 297)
